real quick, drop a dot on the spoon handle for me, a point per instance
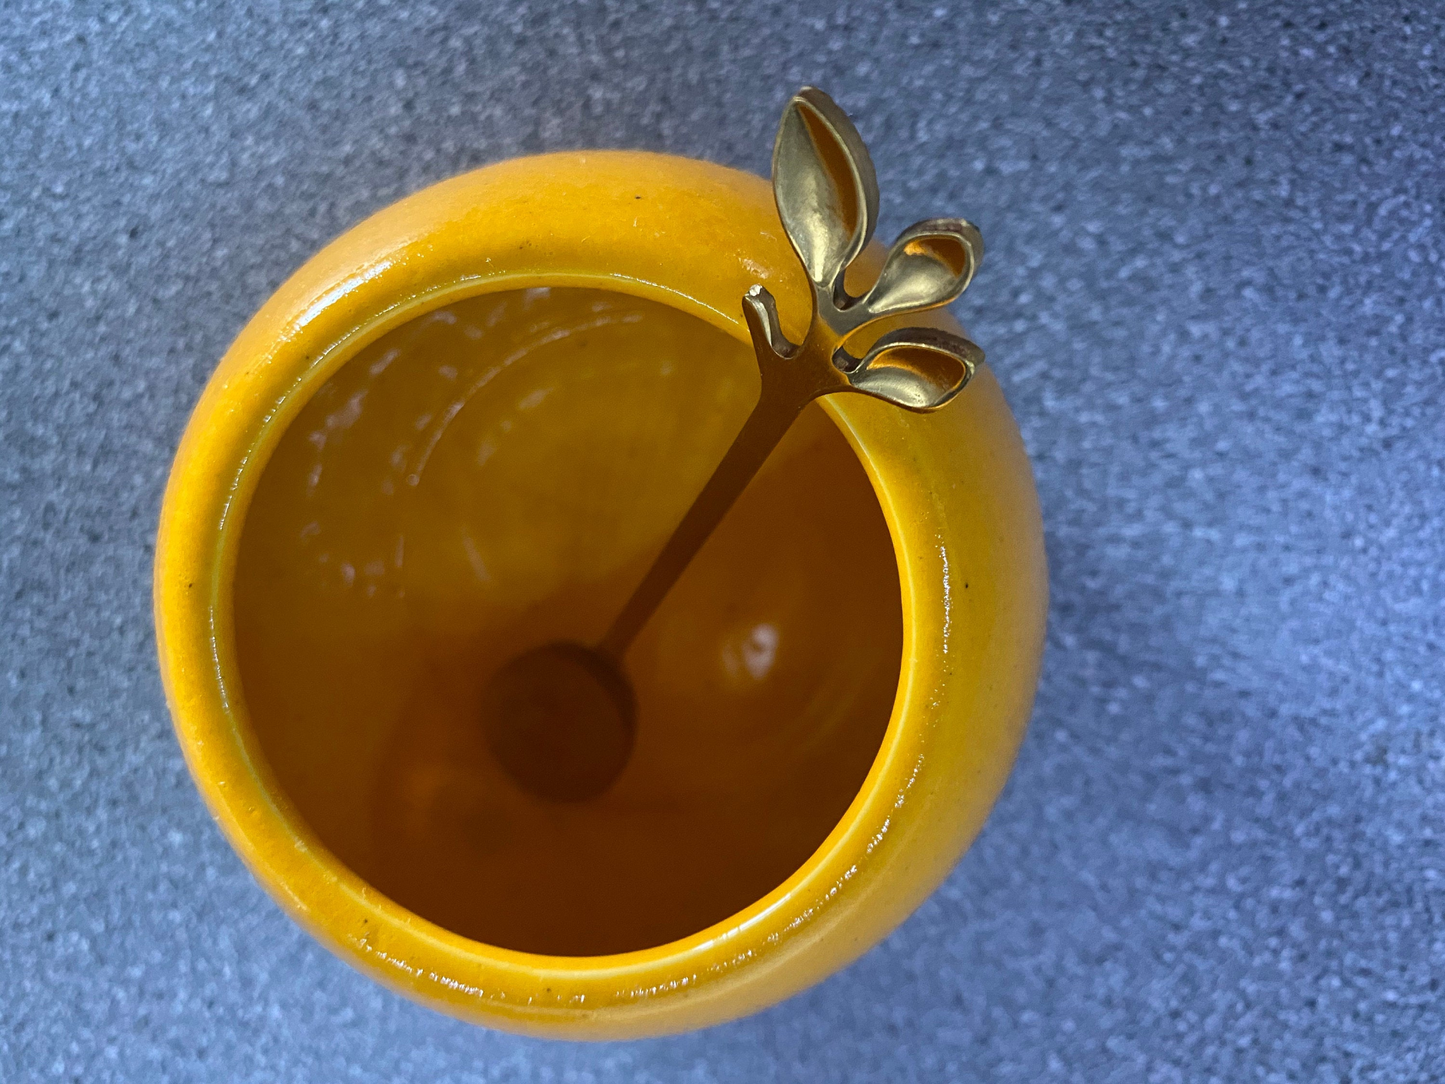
(827, 195)
(759, 435)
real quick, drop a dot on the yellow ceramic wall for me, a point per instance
(954, 488)
(492, 476)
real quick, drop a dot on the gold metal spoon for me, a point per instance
(561, 717)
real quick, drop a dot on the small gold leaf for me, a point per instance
(824, 184)
(917, 368)
(930, 264)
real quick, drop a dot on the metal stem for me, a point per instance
(759, 435)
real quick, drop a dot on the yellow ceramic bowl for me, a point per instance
(462, 430)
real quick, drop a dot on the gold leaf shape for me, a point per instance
(930, 264)
(825, 187)
(918, 368)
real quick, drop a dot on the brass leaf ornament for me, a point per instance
(824, 184)
(827, 196)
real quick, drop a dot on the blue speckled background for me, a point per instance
(1214, 297)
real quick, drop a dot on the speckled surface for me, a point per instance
(1213, 295)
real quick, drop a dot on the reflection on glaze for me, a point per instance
(752, 656)
(496, 475)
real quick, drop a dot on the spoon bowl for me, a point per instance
(561, 720)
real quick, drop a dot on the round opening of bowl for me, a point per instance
(497, 474)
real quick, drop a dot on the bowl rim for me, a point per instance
(419, 254)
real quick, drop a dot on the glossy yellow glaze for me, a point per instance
(463, 429)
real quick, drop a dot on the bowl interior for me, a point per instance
(497, 474)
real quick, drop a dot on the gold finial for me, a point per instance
(827, 196)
